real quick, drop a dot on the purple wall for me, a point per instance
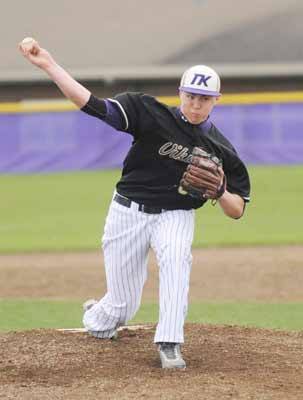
(59, 141)
(62, 141)
(264, 133)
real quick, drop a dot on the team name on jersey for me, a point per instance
(175, 151)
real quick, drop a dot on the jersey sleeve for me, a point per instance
(125, 112)
(237, 176)
(238, 181)
(132, 110)
(106, 110)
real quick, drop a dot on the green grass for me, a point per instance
(273, 217)
(67, 211)
(274, 316)
(54, 212)
(31, 314)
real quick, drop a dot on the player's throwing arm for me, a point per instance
(41, 58)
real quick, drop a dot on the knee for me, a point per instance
(180, 257)
(105, 316)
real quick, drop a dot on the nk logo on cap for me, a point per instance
(200, 79)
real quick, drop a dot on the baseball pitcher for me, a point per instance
(178, 161)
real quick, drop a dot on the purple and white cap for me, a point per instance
(201, 79)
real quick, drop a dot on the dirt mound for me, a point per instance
(223, 362)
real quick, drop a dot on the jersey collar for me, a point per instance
(205, 125)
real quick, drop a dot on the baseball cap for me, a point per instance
(200, 79)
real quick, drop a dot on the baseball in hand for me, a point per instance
(28, 41)
(29, 44)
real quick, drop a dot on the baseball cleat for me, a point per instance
(112, 334)
(170, 355)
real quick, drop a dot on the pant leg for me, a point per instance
(125, 246)
(172, 240)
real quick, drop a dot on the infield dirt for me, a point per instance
(218, 274)
(223, 362)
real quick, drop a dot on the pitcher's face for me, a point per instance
(196, 107)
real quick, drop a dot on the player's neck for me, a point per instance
(201, 124)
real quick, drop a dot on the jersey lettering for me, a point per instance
(200, 79)
(175, 151)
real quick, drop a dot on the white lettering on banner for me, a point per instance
(175, 151)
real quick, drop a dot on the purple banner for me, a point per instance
(264, 133)
(66, 141)
(59, 141)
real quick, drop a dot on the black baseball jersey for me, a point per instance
(163, 141)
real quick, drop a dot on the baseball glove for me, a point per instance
(204, 177)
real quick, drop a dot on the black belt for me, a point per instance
(124, 201)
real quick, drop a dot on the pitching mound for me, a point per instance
(222, 363)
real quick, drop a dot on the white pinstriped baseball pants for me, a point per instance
(128, 235)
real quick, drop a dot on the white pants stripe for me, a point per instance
(128, 235)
